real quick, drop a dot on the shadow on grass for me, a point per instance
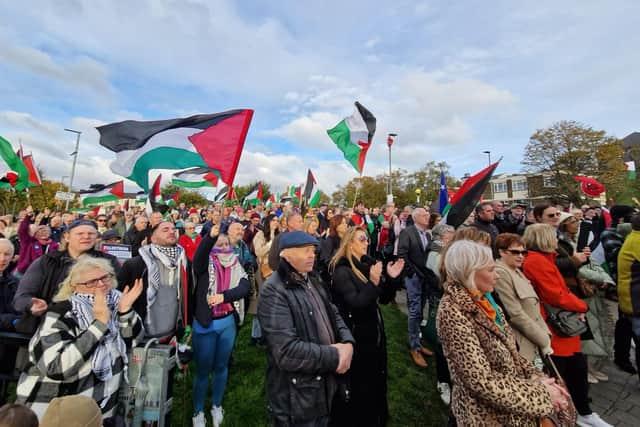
(412, 394)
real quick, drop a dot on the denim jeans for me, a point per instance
(416, 299)
(212, 348)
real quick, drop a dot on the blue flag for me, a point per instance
(444, 196)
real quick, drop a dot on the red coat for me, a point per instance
(540, 268)
(189, 245)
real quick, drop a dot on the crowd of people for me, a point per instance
(524, 305)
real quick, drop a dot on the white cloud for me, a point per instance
(308, 130)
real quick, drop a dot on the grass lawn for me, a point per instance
(412, 394)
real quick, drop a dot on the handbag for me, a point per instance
(565, 323)
(563, 417)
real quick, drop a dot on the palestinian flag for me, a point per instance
(272, 200)
(221, 194)
(173, 199)
(13, 172)
(631, 169)
(195, 178)
(154, 199)
(254, 196)
(212, 141)
(311, 191)
(465, 199)
(34, 175)
(292, 193)
(141, 196)
(353, 136)
(102, 193)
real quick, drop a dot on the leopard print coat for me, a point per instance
(492, 384)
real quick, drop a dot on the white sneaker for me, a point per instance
(600, 376)
(198, 420)
(445, 393)
(217, 415)
(592, 420)
(591, 379)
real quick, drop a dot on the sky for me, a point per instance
(452, 79)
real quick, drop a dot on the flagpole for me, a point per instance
(73, 165)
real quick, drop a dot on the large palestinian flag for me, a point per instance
(13, 172)
(311, 191)
(98, 193)
(195, 178)
(212, 141)
(353, 136)
(464, 201)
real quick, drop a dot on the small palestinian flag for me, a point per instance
(272, 200)
(173, 199)
(195, 178)
(353, 136)
(631, 169)
(141, 196)
(254, 196)
(154, 200)
(221, 194)
(465, 199)
(102, 193)
(212, 141)
(311, 191)
(13, 172)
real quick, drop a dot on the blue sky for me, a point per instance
(451, 78)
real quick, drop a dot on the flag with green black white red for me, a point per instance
(98, 193)
(195, 178)
(464, 201)
(212, 141)
(353, 136)
(311, 191)
(254, 196)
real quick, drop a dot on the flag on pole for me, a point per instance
(173, 199)
(391, 139)
(295, 193)
(443, 200)
(232, 194)
(213, 141)
(353, 136)
(590, 186)
(631, 169)
(34, 175)
(98, 193)
(221, 194)
(311, 190)
(272, 200)
(254, 196)
(13, 172)
(155, 197)
(465, 199)
(141, 197)
(195, 178)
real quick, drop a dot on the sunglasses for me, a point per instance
(363, 239)
(94, 282)
(553, 215)
(517, 252)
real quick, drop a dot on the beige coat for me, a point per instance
(492, 384)
(523, 309)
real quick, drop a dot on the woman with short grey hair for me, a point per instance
(492, 384)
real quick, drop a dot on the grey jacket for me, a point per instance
(300, 379)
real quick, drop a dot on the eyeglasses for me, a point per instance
(517, 252)
(94, 282)
(553, 215)
(363, 238)
(101, 220)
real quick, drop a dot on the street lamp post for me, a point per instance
(488, 153)
(390, 139)
(73, 165)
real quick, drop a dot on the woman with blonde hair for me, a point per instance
(492, 384)
(358, 285)
(311, 225)
(81, 345)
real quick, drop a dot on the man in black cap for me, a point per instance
(307, 341)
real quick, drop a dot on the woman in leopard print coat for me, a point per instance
(492, 384)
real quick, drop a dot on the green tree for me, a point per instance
(188, 197)
(243, 190)
(569, 148)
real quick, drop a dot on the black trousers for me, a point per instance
(623, 335)
(573, 369)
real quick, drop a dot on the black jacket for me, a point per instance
(203, 312)
(134, 238)
(357, 302)
(415, 256)
(8, 286)
(487, 227)
(300, 377)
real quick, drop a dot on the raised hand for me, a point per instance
(375, 272)
(100, 309)
(129, 296)
(215, 230)
(394, 269)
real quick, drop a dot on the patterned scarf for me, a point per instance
(488, 306)
(112, 345)
(225, 273)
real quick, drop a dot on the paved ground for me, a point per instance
(617, 401)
